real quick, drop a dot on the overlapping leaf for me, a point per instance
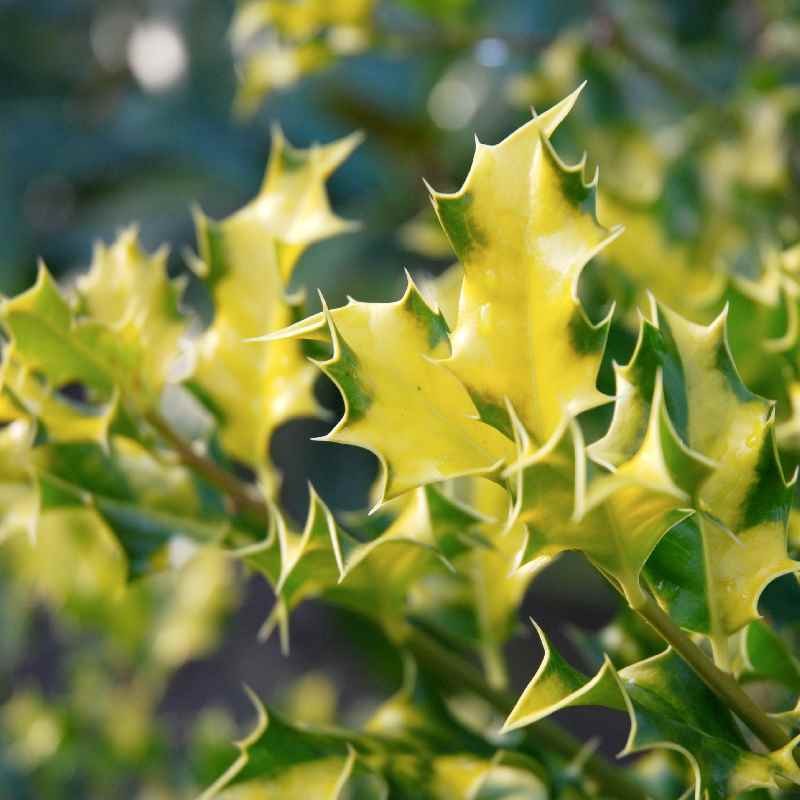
(710, 570)
(412, 747)
(278, 42)
(371, 574)
(70, 366)
(130, 292)
(63, 374)
(145, 503)
(615, 513)
(764, 319)
(687, 274)
(384, 361)
(476, 603)
(26, 395)
(50, 351)
(247, 260)
(668, 707)
(523, 226)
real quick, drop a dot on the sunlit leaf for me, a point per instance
(385, 362)
(523, 225)
(247, 259)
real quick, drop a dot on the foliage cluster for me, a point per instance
(135, 451)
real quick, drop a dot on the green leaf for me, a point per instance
(289, 762)
(27, 396)
(122, 341)
(373, 576)
(46, 337)
(615, 513)
(766, 656)
(710, 571)
(668, 706)
(476, 603)
(51, 350)
(412, 747)
(426, 518)
(146, 504)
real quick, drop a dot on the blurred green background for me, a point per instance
(118, 112)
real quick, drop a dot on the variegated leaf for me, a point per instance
(668, 707)
(524, 225)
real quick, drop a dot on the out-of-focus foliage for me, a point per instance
(277, 43)
(128, 389)
(122, 645)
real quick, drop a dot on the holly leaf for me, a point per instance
(523, 225)
(121, 341)
(247, 260)
(129, 291)
(299, 564)
(384, 361)
(710, 571)
(412, 746)
(765, 655)
(51, 351)
(668, 707)
(277, 43)
(291, 209)
(372, 574)
(764, 318)
(288, 761)
(690, 275)
(426, 518)
(60, 417)
(615, 513)
(292, 206)
(437, 756)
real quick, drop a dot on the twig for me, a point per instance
(723, 684)
(241, 494)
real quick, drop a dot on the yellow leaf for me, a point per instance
(614, 513)
(278, 42)
(50, 350)
(384, 361)
(130, 291)
(523, 225)
(247, 259)
(26, 397)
